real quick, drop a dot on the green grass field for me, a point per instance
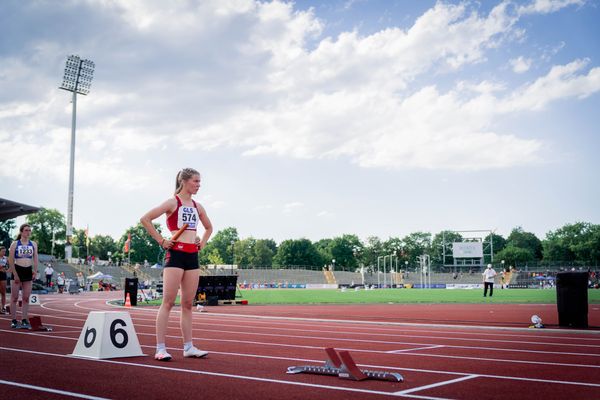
(325, 296)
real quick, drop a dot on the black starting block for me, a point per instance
(36, 325)
(343, 366)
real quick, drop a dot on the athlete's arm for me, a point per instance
(11, 262)
(208, 228)
(35, 259)
(165, 208)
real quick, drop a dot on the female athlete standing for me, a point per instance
(3, 269)
(23, 264)
(181, 267)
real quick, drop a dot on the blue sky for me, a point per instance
(309, 119)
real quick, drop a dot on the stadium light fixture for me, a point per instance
(77, 80)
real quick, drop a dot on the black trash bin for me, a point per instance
(131, 287)
(572, 299)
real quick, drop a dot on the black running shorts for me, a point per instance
(181, 259)
(25, 273)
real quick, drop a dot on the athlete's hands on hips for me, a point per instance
(166, 244)
(199, 242)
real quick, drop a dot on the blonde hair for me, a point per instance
(182, 176)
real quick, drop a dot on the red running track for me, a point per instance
(443, 352)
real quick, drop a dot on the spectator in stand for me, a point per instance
(49, 271)
(488, 280)
(80, 280)
(60, 282)
(3, 276)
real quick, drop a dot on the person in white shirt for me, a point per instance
(49, 271)
(488, 280)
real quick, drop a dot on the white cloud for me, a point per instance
(290, 207)
(563, 81)
(520, 64)
(548, 6)
(239, 74)
(325, 214)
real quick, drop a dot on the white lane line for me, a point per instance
(539, 334)
(503, 341)
(329, 339)
(466, 327)
(216, 374)
(394, 343)
(48, 390)
(417, 348)
(433, 385)
(369, 366)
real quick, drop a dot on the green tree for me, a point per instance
(78, 243)
(142, 247)
(343, 251)
(5, 229)
(297, 252)
(437, 246)
(498, 242)
(101, 245)
(525, 240)
(211, 256)
(222, 242)
(244, 252)
(573, 242)
(263, 252)
(323, 246)
(370, 251)
(43, 224)
(513, 255)
(416, 244)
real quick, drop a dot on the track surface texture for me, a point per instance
(444, 351)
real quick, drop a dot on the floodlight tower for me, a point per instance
(78, 80)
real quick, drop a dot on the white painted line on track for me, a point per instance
(502, 349)
(503, 340)
(428, 345)
(512, 360)
(526, 331)
(433, 385)
(49, 390)
(466, 327)
(369, 366)
(219, 374)
(417, 348)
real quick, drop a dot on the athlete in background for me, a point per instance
(23, 265)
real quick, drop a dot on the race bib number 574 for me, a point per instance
(188, 215)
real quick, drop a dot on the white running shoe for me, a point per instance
(194, 352)
(162, 356)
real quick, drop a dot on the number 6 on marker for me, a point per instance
(108, 334)
(114, 332)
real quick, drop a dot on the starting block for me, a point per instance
(36, 325)
(343, 366)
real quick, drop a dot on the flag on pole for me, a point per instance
(127, 244)
(87, 236)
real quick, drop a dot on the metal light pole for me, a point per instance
(77, 80)
(232, 255)
(378, 277)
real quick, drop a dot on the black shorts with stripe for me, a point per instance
(181, 259)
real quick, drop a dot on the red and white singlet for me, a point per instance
(183, 215)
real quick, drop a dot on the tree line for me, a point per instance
(572, 243)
